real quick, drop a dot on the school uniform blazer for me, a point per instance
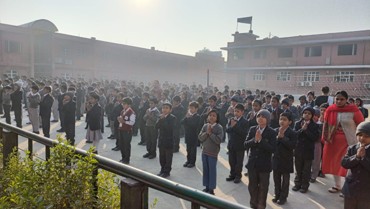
(179, 112)
(94, 117)
(305, 147)
(16, 98)
(117, 109)
(166, 127)
(283, 157)
(260, 152)
(238, 134)
(69, 110)
(275, 115)
(357, 182)
(45, 106)
(191, 126)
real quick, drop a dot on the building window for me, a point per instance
(313, 51)
(311, 76)
(347, 49)
(259, 76)
(344, 77)
(11, 73)
(12, 47)
(260, 54)
(65, 52)
(285, 52)
(238, 54)
(283, 76)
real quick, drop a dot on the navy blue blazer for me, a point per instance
(283, 157)
(94, 117)
(260, 153)
(238, 134)
(357, 182)
(166, 127)
(191, 126)
(305, 147)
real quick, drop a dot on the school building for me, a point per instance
(36, 49)
(298, 64)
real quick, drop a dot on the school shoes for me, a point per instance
(146, 155)
(190, 165)
(60, 130)
(275, 199)
(107, 126)
(303, 190)
(281, 201)
(88, 142)
(141, 143)
(186, 164)
(237, 180)
(312, 180)
(115, 148)
(124, 162)
(296, 188)
(151, 157)
(230, 178)
(54, 121)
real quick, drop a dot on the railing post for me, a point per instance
(30, 147)
(134, 194)
(195, 205)
(47, 152)
(10, 141)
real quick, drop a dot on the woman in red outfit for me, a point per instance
(339, 132)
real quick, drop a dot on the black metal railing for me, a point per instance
(134, 188)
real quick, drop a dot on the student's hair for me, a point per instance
(287, 115)
(302, 97)
(239, 107)
(324, 105)
(176, 98)
(351, 99)
(146, 94)
(360, 100)
(154, 100)
(127, 100)
(35, 87)
(342, 93)
(48, 88)
(94, 95)
(213, 97)
(257, 101)
(194, 104)
(268, 96)
(276, 98)
(217, 115)
(167, 104)
(291, 97)
(122, 95)
(200, 100)
(325, 89)
(311, 92)
(71, 89)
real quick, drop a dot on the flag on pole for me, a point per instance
(247, 20)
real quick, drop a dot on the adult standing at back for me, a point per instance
(339, 132)
(324, 98)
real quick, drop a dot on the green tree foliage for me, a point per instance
(64, 181)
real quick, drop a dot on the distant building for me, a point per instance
(301, 63)
(37, 50)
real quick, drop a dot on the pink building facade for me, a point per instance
(298, 64)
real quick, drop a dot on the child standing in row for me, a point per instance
(210, 137)
(308, 133)
(191, 126)
(151, 133)
(282, 161)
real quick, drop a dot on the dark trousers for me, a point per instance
(61, 117)
(165, 159)
(356, 203)
(102, 120)
(303, 172)
(258, 188)
(18, 116)
(7, 113)
(45, 123)
(124, 144)
(236, 163)
(116, 135)
(281, 181)
(1, 107)
(191, 156)
(78, 110)
(151, 135)
(142, 131)
(69, 129)
(176, 139)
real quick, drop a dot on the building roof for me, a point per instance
(41, 24)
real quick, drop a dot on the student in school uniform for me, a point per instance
(166, 125)
(16, 98)
(356, 188)
(308, 132)
(46, 105)
(261, 141)
(151, 117)
(282, 161)
(179, 112)
(210, 136)
(7, 103)
(275, 111)
(126, 122)
(34, 99)
(93, 116)
(115, 113)
(238, 130)
(191, 126)
(69, 119)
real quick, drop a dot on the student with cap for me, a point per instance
(261, 141)
(356, 188)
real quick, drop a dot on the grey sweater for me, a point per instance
(211, 143)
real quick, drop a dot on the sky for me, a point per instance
(187, 26)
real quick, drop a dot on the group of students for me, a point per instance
(276, 134)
